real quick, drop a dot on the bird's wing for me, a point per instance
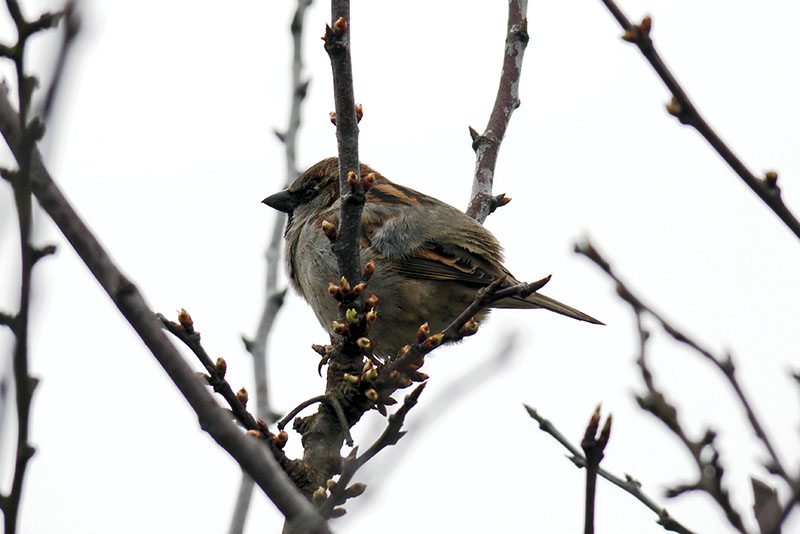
(424, 238)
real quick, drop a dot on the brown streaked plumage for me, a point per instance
(430, 258)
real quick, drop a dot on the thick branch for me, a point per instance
(681, 107)
(487, 145)
(250, 454)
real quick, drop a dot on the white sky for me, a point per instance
(163, 143)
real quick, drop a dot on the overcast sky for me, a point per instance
(163, 142)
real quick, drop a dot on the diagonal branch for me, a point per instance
(710, 471)
(390, 436)
(704, 452)
(487, 144)
(630, 484)
(402, 370)
(250, 454)
(724, 365)
(682, 107)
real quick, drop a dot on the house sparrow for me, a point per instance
(430, 258)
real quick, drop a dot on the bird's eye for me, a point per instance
(309, 193)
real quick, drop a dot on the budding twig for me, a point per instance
(684, 110)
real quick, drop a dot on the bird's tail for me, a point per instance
(537, 300)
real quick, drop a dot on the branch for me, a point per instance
(710, 471)
(487, 145)
(402, 370)
(70, 31)
(709, 467)
(352, 193)
(341, 491)
(593, 445)
(185, 332)
(370, 385)
(629, 485)
(724, 365)
(257, 347)
(360, 386)
(322, 432)
(248, 453)
(766, 507)
(23, 147)
(681, 107)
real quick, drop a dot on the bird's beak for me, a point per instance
(282, 201)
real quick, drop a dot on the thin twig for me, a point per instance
(593, 446)
(450, 395)
(397, 371)
(682, 107)
(216, 377)
(248, 452)
(487, 144)
(629, 484)
(709, 466)
(331, 400)
(390, 436)
(297, 409)
(710, 470)
(23, 147)
(258, 346)
(725, 365)
(69, 33)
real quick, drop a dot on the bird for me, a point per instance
(430, 258)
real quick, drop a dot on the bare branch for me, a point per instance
(390, 436)
(403, 369)
(69, 32)
(451, 394)
(593, 445)
(766, 507)
(709, 467)
(216, 375)
(629, 484)
(682, 107)
(725, 365)
(249, 453)
(710, 470)
(257, 347)
(487, 145)
(23, 147)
